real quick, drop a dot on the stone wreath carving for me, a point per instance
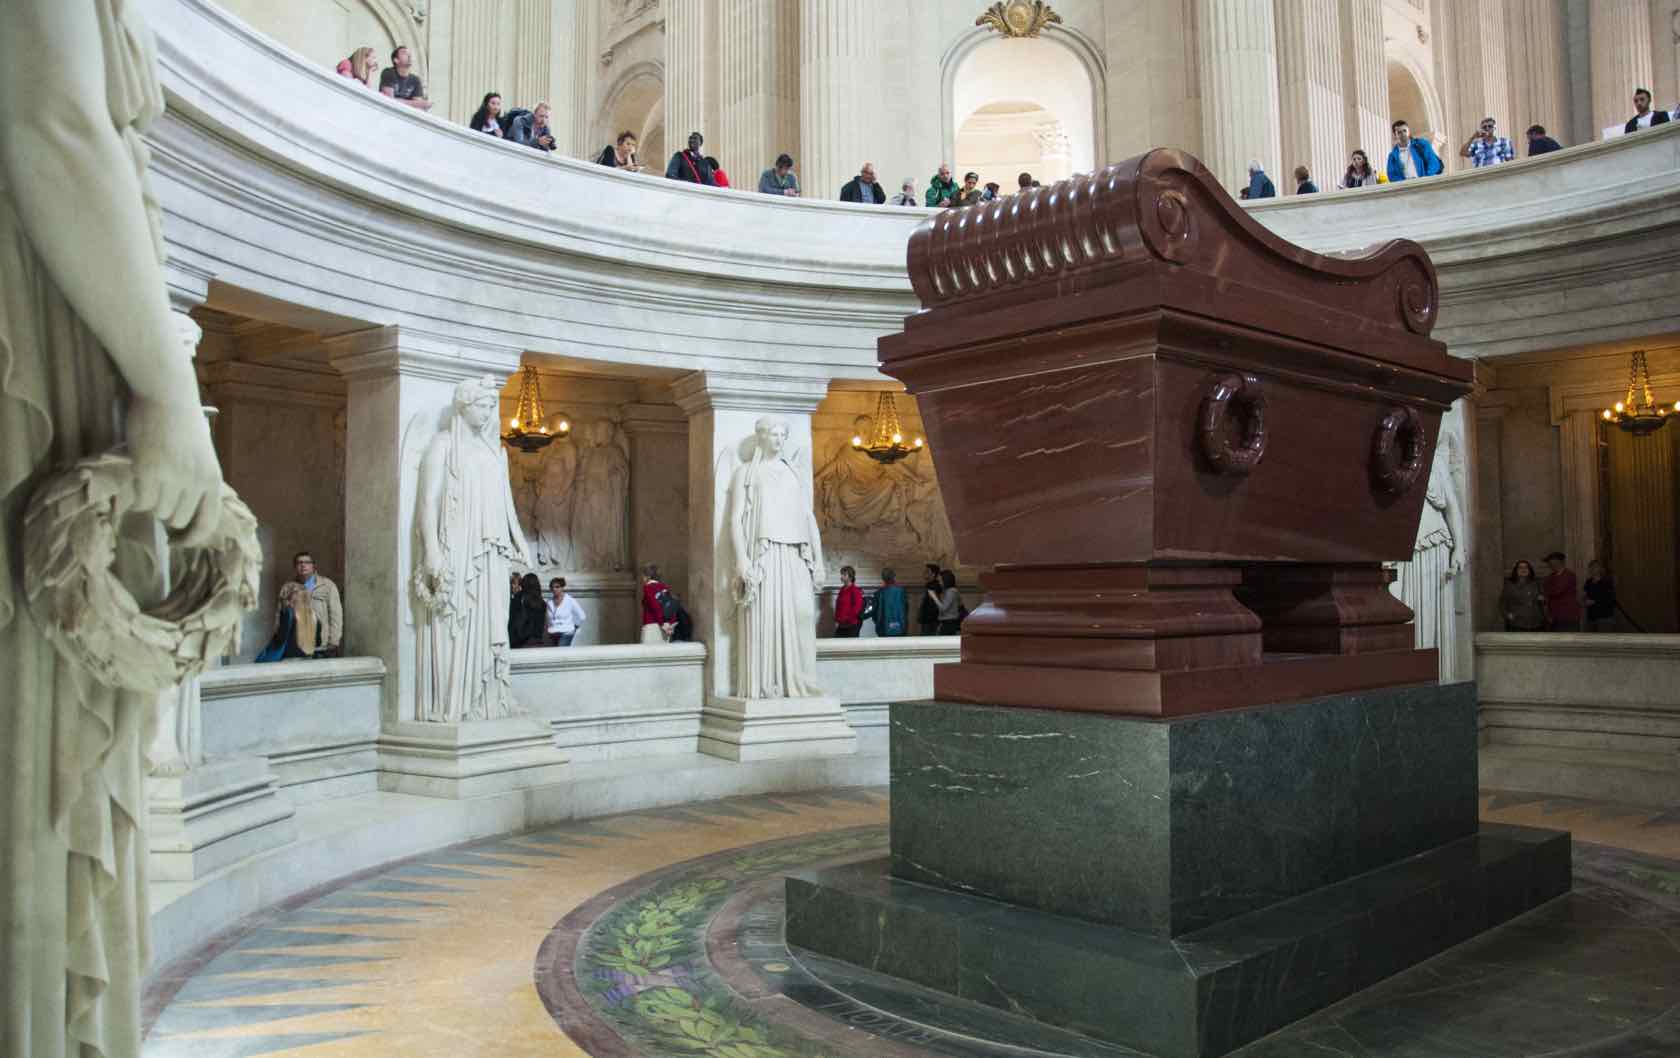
(70, 533)
(1397, 451)
(1239, 395)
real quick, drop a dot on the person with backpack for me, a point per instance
(848, 606)
(892, 617)
(656, 597)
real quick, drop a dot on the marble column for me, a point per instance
(839, 92)
(1237, 45)
(1310, 84)
(1620, 35)
(1537, 70)
(690, 76)
(565, 56)
(1642, 515)
(1364, 81)
(502, 46)
(722, 409)
(757, 50)
(1483, 78)
(1579, 447)
(400, 387)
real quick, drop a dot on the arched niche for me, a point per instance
(1410, 97)
(1060, 72)
(326, 31)
(635, 102)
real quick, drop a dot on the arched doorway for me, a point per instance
(636, 103)
(1022, 104)
(1409, 99)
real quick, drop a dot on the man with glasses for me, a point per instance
(1487, 147)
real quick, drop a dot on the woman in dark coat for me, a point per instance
(927, 616)
(528, 614)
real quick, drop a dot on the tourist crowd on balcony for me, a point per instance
(1409, 157)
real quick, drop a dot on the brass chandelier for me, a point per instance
(528, 430)
(886, 444)
(1638, 413)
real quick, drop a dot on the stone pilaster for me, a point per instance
(1364, 81)
(1237, 42)
(565, 56)
(839, 96)
(757, 48)
(659, 485)
(1484, 83)
(1310, 85)
(722, 410)
(1620, 35)
(1539, 90)
(1579, 448)
(690, 88)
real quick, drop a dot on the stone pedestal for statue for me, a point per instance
(217, 812)
(747, 729)
(1190, 781)
(468, 759)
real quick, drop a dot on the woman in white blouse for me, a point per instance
(565, 616)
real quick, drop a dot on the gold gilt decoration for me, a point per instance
(887, 444)
(1019, 18)
(1638, 413)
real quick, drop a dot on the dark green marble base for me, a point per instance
(1168, 826)
(1193, 996)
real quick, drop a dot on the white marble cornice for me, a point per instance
(232, 681)
(710, 390)
(383, 352)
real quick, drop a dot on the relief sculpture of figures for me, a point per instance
(85, 324)
(1426, 583)
(778, 569)
(872, 512)
(469, 540)
(600, 526)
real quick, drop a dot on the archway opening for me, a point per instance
(1406, 99)
(638, 106)
(1022, 105)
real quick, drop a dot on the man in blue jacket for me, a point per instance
(1411, 158)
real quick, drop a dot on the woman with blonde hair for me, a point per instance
(362, 65)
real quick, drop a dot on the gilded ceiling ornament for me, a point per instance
(1019, 18)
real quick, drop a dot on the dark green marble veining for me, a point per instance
(1170, 826)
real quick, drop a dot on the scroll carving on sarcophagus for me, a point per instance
(1184, 446)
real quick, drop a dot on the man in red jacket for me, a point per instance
(655, 629)
(1563, 597)
(848, 606)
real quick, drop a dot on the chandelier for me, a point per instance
(528, 429)
(1638, 413)
(886, 444)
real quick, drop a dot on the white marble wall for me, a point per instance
(607, 703)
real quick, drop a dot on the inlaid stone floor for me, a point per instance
(657, 934)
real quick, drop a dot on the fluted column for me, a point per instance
(758, 86)
(1620, 36)
(1237, 47)
(474, 56)
(1641, 503)
(1483, 78)
(1538, 86)
(1312, 109)
(690, 83)
(1364, 80)
(839, 92)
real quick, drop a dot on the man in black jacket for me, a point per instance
(690, 164)
(1540, 143)
(1643, 116)
(863, 188)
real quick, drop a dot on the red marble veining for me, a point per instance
(1140, 400)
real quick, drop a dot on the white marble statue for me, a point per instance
(469, 539)
(600, 522)
(1427, 582)
(778, 569)
(85, 325)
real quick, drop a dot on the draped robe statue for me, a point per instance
(1426, 583)
(779, 568)
(470, 538)
(85, 329)
(600, 531)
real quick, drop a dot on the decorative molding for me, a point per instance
(238, 681)
(1580, 644)
(598, 658)
(1019, 18)
(701, 391)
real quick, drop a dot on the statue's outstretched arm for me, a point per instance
(79, 200)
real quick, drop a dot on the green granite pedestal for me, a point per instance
(1180, 886)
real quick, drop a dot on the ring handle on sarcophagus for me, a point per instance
(1237, 395)
(1397, 451)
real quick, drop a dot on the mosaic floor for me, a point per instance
(657, 934)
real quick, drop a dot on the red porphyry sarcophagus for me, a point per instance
(1184, 446)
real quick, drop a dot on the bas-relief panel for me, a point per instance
(573, 499)
(872, 514)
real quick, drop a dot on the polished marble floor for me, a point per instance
(657, 933)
